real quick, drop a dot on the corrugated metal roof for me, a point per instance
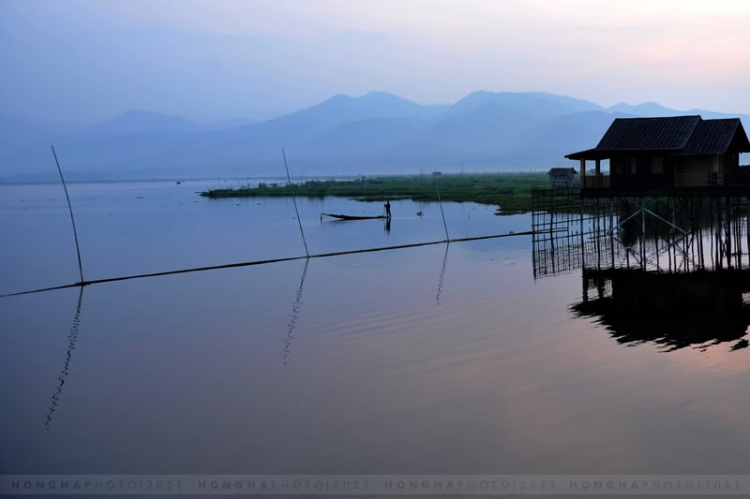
(648, 134)
(684, 135)
(712, 137)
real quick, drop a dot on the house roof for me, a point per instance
(562, 171)
(673, 135)
(715, 137)
(648, 134)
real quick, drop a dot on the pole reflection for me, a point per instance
(294, 315)
(72, 339)
(441, 279)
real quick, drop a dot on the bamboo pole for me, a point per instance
(72, 219)
(273, 260)
(445, 225)
(294, 199)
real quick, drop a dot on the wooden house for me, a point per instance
(562, 177)
(672, 152)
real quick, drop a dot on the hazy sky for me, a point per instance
(88, 60)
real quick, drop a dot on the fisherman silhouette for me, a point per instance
(388, 209)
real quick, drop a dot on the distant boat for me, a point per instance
(351, 217)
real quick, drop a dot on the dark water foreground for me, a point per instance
(404, 362)
(433, 360)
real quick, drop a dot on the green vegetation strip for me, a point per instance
(510, 192)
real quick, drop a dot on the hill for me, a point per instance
(377, 132)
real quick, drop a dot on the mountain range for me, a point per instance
(375, 133)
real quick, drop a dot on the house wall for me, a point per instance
(641, 171)
(696, 165)
(628, 165)
(562, 180)
(623, 165)
(733, 161)
(721, 163)
(667, 171)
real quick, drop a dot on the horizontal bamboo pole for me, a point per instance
(274, 260)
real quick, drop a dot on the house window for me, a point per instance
(657, 165)
(632, 166)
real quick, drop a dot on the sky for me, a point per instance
(90, 60)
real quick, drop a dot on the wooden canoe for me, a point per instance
(351, 217)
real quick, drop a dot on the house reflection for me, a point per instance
(648, 280)
(696, 309)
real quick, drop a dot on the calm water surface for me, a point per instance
(431, 360)
(134, 228)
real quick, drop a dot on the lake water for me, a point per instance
(135, 228)
(430, 360)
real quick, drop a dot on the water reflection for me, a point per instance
(672, 310)
(72, 339)
(294, 316)
(441, 279)
(677, 282)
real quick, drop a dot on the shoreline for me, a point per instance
(510, 192)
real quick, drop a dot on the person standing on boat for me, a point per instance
(387, 209)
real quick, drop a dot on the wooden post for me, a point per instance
(598, 237)
(583, 173)
(728, 239)
(583, 241)
(598, 167)
(643, 233)
(717, 176)
(612, 230)
(585, 286)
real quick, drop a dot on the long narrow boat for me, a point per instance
(351, 217)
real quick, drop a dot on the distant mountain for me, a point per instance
(657, 110)
(376, 132)
(538, 104)
(563, 134)
(366, 136)
(645, 109)
(17, 132)
(231, 123)
(297, 128)
(141, 122)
